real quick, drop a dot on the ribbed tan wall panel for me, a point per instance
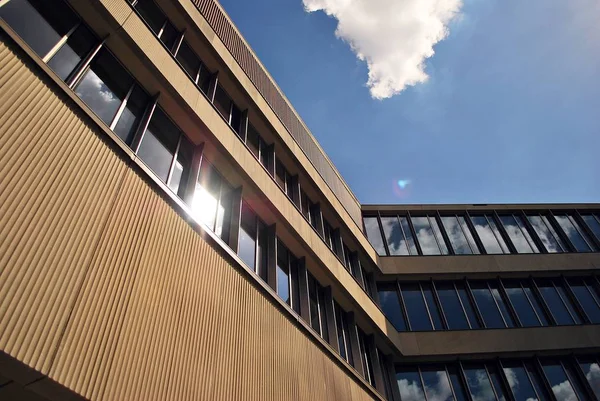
(58, 183)
(105, 288)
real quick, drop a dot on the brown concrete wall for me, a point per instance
(108, 291)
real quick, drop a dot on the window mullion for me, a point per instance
(59, 44)
(78, 72)
(178, 44)
(117, 116)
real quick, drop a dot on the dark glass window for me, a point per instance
(328, 231)
(212, 200)
(415, 306)
(457, 384)
(535, 302)
(181, 168)
(546, 233)
(459, 235)
(593, 222)
(388, 299)
(537, 381)
(253, 141)
(524, 309)
(591, 371)
(374, 234)
(248, 236)
(585, 293)
(150, 13)
(575, 380)
(223, 103)
(281, 175)
(189, 60)
(364, 355)
(40, 23)
(132, 113)
(501, 302)
(437, 385)
(104, 86)
(519, 382)
(394, 236)
(169, 36)
(261, 250)
(409, 384)
(315, 311)
(432, 305)
(479, 383)
(489, 234)
(487, 305)
(429, 235)
(559, 382)
(283, 273)
(558, 306)
(467, 305)
(452, 307)
(501, 392)
(518, 233)
(581, 242)
(342, 333)
(78, 46)
(159, 144)
(236, 119)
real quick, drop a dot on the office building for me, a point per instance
(171, 230)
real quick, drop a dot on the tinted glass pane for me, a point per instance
(432, 305)
(415, 306)
(574, 232)
(577, 384)
(504, 309)
(261, 269)
(159, 143)
(497, 383)
(79, 44)
(425, 236)
(528, 235)
(466, 302)
(537, 382)
(560, 384)
(479, 383)
(554, 302)
(593, 223)
(536, 302)
(390, 304)
(206, 196)
(552, 243)
(438, 235)
(39, 23)
(468, 234)
(457, 384)
(314, 303)
(151, 14)
(131, 115)
(104, 86)
(519, 300)
(253, 140)
(339, 323)
(410, 241)
(519, 382)
(437, 385)
(452, 308)
(188, 59)
(283, 285)
(169, 36)
(236, 119)
(222, 102)
(516, 235)
(409, 384)
(487, 306)
(247, 241)
(591, 370)
(394, 236)
(224, 212)
(181, 168)
(488, 234)
(585, 299)
(567, 301)
(204, 79)
(373, 233)
(456, 235)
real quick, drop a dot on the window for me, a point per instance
(390, 304)
(586, 292)
(104, 86)
(40, 23)
(429, 235)
(283, 273)
(284, 179)
(398, 236)
(591, 371)
(593, 222)
(467, 304)
(457, 383)
(343, 333)
(366, 358)
(437, 385)
(414, 301)
(580, 241)
(327, 234)
(486, 302)
(514, 226)
(374, 234)
(523, 305)
(69, 56)
(520, 383)
(258, 146)
(459, 235)
(157, 21)
(230, 112)
(479, 383)
(432, 306)
(409, 384)
(489, 234)
(193, 66)
(248, 236)
(451, 304)
(212, 200)
(132, 111)
(559, 382)
(552, 242)
(554, 296)
(318, 318)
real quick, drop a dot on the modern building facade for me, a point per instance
(170, 230)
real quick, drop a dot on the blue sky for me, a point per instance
(510, 112)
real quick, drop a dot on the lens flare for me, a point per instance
(402, 188)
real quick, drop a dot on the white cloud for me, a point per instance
(394, 37)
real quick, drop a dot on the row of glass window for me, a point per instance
(492, 304)
(483, 233)
(557, 379)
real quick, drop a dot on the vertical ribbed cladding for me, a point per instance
(250, 65)
(59, 180)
